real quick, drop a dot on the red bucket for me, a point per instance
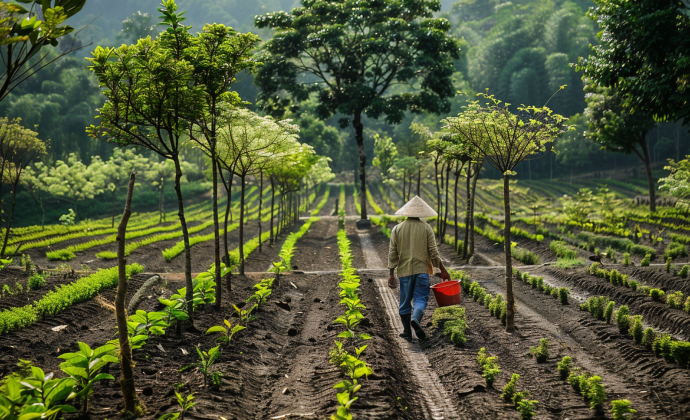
(447, 293)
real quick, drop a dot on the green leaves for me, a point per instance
(84, 366)
(227, 333)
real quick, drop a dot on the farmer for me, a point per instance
(413, 252)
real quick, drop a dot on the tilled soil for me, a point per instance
(279, 365)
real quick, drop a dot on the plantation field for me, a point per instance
(284, 362)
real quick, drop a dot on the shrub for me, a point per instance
(626, 259)
(633, 285)
(608, 312)
(524, 256)
(553, 292)
(637, 330)
(596, 306)
(541, 352)
(680, 350)
(490, 368)
(610, 253)
(527, 409)
(510, 388)
(564, 366)
(673, 251)
(563, 294)
(668, 264)
(686, 307)
(452, 320)
(623, 319)
(646, 260)
(17, 318)
(36, 281)
(662, 346)
(574, 379)
(657, 295)
(648, 337)
(621, 410)
(645, 290)
(495, 306)
(562, 250)
(675, 300)
(595, 269)
(595, 393)
(487, 300)
(684, 271)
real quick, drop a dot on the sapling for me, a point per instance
(621, 410)
(527, 409)
(519, 396)
(574, 378)
(675, 300)
(510, 388)
(683, 273)
(564, 366)
(36, 281)
(554, 293)
(337, 355)
(226, 333)
(490, 368)
(205, 365)
(623, 319)
(668, 264)
(633, 285)
(626, 259)
(648, 337)
(637, 330)
(487, 300)
(541, 352)
(608, 312)
(662, 346)
(595, 393)
(680, 350)
(686, 307)
(84, 367)
(244, 315)
(563, 294)
(583, 384)
(185, 404)
(657, 295)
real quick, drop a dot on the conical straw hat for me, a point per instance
(416, 208)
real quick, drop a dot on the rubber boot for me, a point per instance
(418, 329)
(407, 333)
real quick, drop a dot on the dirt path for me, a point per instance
(434, 397)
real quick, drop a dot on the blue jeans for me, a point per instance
(414, 287)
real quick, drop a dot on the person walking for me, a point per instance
(413, 253)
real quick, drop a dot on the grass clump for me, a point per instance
(683, 273)
(563, 250)
(489, 364)
(36, 281)
(524, 256)
(566, 263)
(675, 250)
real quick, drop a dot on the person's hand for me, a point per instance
(393, 282)
(444, 274)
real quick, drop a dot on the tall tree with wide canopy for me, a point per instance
(617, 129)
(505, 139)
(642, 52)
(350, 53)
(150, 101)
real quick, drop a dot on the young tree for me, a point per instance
(133, 406)
(618, 129)
(23, 35)
(506, 139)
(385, 155)
(149, 101)
(19, 149)
(218, 54)
(349, 53)
(116, 170)
(677, 183)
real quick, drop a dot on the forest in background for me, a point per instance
(521, 50)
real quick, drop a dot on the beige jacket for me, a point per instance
(413, 248)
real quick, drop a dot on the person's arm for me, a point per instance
(393, 260)
(434, 255)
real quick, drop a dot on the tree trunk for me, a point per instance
(466, 243)
(228, 210)
(189, 295)
(404, 198)
(241, 240)
(445, 211)
(510, 299)
(216, 234)
(419, 181)
(409, 186)
(273, 199)
(261, 197)
(648, 169)
(455, 209)
(359, 135)
(9, 219)
(112, 209)
(438, 197)
(477, 170)
(132, 405)
(161, 203)
(43, 214)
